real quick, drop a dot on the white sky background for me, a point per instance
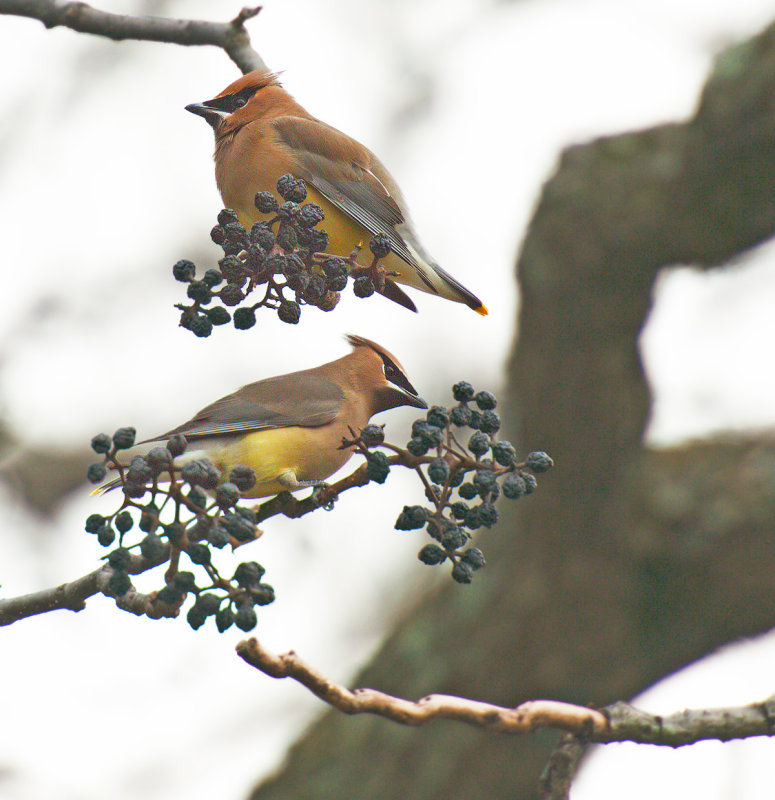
(88, 341)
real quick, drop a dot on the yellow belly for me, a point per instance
(343, 235)
(279, 452)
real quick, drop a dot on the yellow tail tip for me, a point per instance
(482, 310)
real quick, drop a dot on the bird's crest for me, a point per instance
(258, 79)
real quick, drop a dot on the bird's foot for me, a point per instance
(320, 496)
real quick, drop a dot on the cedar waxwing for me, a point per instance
(288, 428)
(262, 133)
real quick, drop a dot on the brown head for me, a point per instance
(255, 96)
(375, 373)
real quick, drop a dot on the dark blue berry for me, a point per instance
(243, 477)
(94, 522)
(514, 486)
(474, 557)
(467, 491)
(96, 473)
(462, 391)
(289, 312)
(244, 318)
(539, 461)
(417, 446)
(246, 618)
(437, 416)
(462, 572)
(377, 466)
(124, 438)
(411, 518)
(438, 471)
(431, 554)
(372, 435)
(489, 422)
(265, 202)
(504, 453)
(184, 271)
(486, 401)
(101, 443)
(379, 245)
(479, 443)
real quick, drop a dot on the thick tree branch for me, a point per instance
(229, 36)
(72, 596)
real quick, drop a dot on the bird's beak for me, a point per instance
(417, 402)
(212, 115)
(409, 395)
(393, 396)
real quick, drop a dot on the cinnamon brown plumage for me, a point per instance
(262, 133)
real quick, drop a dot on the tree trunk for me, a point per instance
(627, 564)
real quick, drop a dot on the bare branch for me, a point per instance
(629, 724)
(558, 774)
(73, 595)
(522, 719)
(230, 36)
(617, 723)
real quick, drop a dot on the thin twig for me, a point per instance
(522, 719)
(617, 723)
(232, 37)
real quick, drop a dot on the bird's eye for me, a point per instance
(394, 375)
(239, 102)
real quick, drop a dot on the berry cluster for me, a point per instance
(184, 508)
(193, 511)
(461, 482)
(284, 258)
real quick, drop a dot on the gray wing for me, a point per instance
(298, 399)
(329, 162)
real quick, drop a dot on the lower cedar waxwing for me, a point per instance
(289, 428)
(262, 133)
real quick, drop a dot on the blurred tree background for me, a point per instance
(633, 562)
(629, 563)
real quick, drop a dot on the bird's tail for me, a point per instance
(437, 279)
(113, 483)
(463, 294)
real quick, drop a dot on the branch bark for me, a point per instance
(524, 718)
(232, 37)
(556, 779)
(619, 722)
(72, 596)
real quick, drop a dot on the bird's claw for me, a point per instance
(316, 498)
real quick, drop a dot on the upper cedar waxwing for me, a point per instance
(262, 133)
(288, 428)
